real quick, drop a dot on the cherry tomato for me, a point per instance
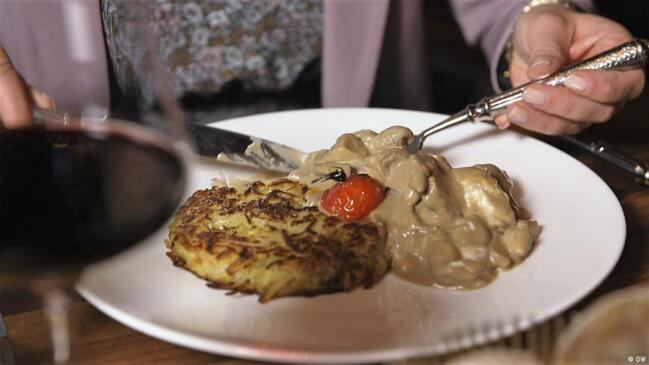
(353, 199)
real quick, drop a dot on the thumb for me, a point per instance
(41, 99)
(547, 39)
(14, 102)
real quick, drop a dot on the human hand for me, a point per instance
(16, 97)
(550, 37)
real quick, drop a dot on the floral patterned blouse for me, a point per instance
(206, 45)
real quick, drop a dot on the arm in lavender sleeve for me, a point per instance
(490, 23)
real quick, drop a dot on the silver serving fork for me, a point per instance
(632, 54)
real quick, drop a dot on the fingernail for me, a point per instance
(537, 66)
(518, 115)
(502, 122)
(541, 61)
(576, 83)
(534, 96)
(42, 99)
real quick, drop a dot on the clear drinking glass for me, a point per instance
(77, 187)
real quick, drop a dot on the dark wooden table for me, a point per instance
(101, 340)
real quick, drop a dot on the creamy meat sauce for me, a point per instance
(447, 227)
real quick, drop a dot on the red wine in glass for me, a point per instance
(70, 195)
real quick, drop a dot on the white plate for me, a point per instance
(582, 238)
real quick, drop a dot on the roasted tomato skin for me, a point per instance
(352, 199)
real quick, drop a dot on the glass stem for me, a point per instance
(57, 308)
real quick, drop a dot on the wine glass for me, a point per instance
(79, 187)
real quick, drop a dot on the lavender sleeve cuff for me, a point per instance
(490, 23)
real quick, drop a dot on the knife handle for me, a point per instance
(610, 154)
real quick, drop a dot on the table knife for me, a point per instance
(228, 146)
(610, 154)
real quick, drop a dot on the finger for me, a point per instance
(41, 99)
(535, 120)
(14, 102)
(548, 35)
(502, 122)
(607, 86)
(563, 103)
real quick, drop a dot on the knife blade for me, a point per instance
(6, 348)
(233, 147)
